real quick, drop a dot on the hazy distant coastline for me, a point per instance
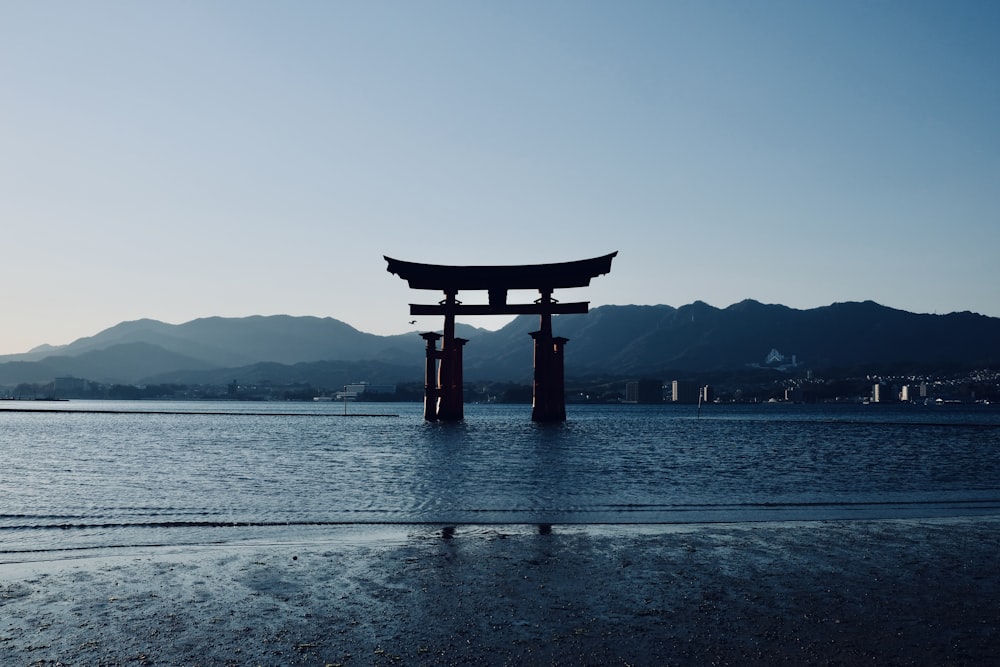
(748, 344)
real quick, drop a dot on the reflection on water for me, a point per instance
(98, 479)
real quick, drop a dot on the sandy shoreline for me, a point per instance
(879, 592)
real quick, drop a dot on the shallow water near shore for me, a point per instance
(97, 475)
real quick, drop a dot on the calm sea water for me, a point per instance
(78, 479)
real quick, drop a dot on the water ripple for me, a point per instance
(125, 475)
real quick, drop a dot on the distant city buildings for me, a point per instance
(890, 393)
(644, 391)
(882, 393)
(679, 391)
(683, 392)
(794, 394)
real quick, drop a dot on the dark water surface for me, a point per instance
(144, 473)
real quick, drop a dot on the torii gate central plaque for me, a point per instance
(443, 384)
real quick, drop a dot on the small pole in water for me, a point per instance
(699, 403)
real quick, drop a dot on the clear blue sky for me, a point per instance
(182, 159)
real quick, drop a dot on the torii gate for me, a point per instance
(443, 383)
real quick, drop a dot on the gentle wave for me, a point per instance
(613, 513)
(101, 475)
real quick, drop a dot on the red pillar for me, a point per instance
(539, 388)
(431, 391)
(451, 405)
(548, 402)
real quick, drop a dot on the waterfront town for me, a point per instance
(980, 386)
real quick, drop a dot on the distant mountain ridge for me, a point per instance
(699, 338)
(234, 341)
(610, 340)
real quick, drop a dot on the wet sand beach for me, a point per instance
(890, 592)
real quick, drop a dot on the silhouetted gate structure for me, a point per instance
(443, 384)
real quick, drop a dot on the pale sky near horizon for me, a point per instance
(184, 159)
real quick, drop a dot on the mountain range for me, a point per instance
(610, 341)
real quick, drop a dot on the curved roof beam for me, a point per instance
(503, 277)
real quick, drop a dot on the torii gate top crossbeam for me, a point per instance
(542, 277)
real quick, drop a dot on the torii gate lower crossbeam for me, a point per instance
(443, 378)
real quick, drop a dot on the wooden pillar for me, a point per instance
(539, 387)
(548, 401)
(451, 405)
(431, 391)
(450, 399)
